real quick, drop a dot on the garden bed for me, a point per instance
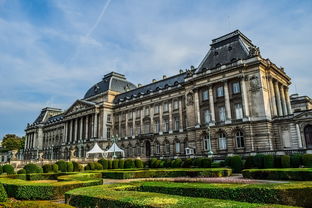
(33, 204)
(297, 174)
(129, 195)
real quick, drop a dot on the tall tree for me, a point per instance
(13, 142)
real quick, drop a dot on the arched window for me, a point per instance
(177, 147)
(222, 141)
(240, 143)
(207, 142)
(167, 148)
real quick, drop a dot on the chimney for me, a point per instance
(164, 77)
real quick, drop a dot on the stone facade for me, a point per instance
(234, 102)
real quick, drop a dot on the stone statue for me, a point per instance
(254, 51)
(40, 156)
(14, 153)
(72, 153)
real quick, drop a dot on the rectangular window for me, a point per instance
(205, 95)
(147, 112)
(207, 145)
(236, 88)
(157, 126)
(175, 105)
(131, 131)
(166, 123)
(156, 109)
(238, 111)
(130, 115)
(207, 116)
(222, 114)
(138, 113)
(222, 141)
(165, 107)
(220, 91)
(177, 147)
(176, 123)
(109, 117)
(108, 134)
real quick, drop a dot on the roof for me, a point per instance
(111, 81)
(173, 81)
(114, 148)
(227, 49)
(95, 149)
(44, 115)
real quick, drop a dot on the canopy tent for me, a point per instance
(95, 150)
(113, 149)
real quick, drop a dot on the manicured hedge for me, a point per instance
(34, 204)
(285, 161)
(307, 160)
(62, 165)
(157, 173)
(3, 194)
(297, 174)
(130, 196)
(104, 163)
(32, 168)
(268, 161)
(9, 169)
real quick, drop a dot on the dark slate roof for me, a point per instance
(174, 81)
(42, 118)
(228, 49)
(54, 119)
(112, 81)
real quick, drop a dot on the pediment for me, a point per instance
(78, 106)
(304, 115)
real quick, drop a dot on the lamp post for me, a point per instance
(210, 152)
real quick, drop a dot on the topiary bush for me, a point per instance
(62, 165)
(21, 171)
(97, 166)
(259, 161)
(285, 161)
(70, 167)
(176, 163)
(3, 194)
(249, 163)
(110, 164)
(47, 168)
(268, 161)
(55, 168)
(77, 167)
(138, 163)
(277, 161)
(8, 169)
(115, 164)
(197, 162)
(206, 163)
(187, 163)
(129, 163)
(296, 160)
(121, 164)
(152, 162)
(307, 160)
(32, 168)
(236, 164)
(104, 163)
(1, 169)
(167, 163)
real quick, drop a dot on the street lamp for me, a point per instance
(210, 152)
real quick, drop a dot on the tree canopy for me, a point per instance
(13, 142)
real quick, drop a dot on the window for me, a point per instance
(207, 143)
(131, 131)
(236, 88)
(108, 133)
(157, 126)
(177, 147)
(207, 116)
(222, 114)
(157, 148)
(138, 129)
(166, 123)
(165, 107)
(176, 123)
(220, 91)
(109, 117)
(167, 148)
(175, 105)
(138, 113)
(238, 111)
(240, 143)
(205, 95)
(222, 141)
(147, 112)
(156, 109)
(130, 115)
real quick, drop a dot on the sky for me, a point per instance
(53, 51)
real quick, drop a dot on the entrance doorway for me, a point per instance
(147, 148)
(308, 135)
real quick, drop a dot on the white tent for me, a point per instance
(113, 149)
(96, 150)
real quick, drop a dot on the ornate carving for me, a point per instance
(254, 83)
(190, 98)
(254, 51)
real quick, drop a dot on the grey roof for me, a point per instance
(54, 119)
(228, 49)
(43, 112)
(173, 81)
(112, 81)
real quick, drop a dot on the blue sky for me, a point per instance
(51, 52)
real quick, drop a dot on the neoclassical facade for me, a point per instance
(234, 102)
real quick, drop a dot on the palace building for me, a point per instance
(234, 102)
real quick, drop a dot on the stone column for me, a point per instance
(211, 104)
(282, 93)
(76, 130)
(278, 99)
(227, 102)
(133, 122)
(95, 131)
(152, 119)
(197, 110)
(70, 131)
(299, 136)
(273, 98)
(180, 115)
(65, 133)
(87, 127)
(81, 128)
(127, 130)
(141, 120)
(119, 124)
(287, 99)
(170, 116)
(244, 97)
(160, 118)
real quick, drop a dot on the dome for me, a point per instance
(112, 81)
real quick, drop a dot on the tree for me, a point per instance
(13, 142)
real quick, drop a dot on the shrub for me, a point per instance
(87, 167)
(249, 163)
(121, 164)
(47, 168)
(197, 162)
(161, 163)
(129, 163)
(152, 162)
(307, 160)
(21, 171)
(277, 161)
(206, 163)
(62, 165)
(70, 167)
(77, 166)
(187, 163)
(215, 165)
(268, 161)
(104, 163)
(1, 169)
(55, 168)
(285, 161)
(32, 168)
(227, 161)
(296, 160)
(110, 164)
(167, 163)
(176, 163)
(138, 163)
(7, 168)
(259, 161)
(3, 194)
(97, 166)
(115, 164)
(236, 164)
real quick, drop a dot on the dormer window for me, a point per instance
(216, 53)
(230, 48)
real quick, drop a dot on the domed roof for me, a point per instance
(112, 81)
